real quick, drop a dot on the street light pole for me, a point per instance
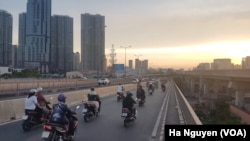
(125, 58)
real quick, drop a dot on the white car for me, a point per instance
(103, 81)
(135, 80)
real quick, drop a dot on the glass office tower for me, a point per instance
(37, 45)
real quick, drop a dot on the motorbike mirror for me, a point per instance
(77, 107)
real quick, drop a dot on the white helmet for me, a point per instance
(39, 89)
(33, 90)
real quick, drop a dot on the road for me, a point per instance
(108, 126)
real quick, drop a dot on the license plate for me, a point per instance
(45, 134)
(84, 111)
(124, 114)
(25, 117)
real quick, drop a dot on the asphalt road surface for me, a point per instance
(108, 126)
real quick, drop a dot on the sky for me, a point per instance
(168, 33)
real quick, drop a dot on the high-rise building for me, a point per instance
(14, 55)
(204, 66)
(21, 40)
(144, 66)
(93, 42)
(141, 66)
(61, 44)
(6, 22)
(76, 61)
(37, 44)
(130, 64)
(246, 62)
(222, 64)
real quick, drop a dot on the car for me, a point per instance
(135, 80)
(103, 81)
(84, 78)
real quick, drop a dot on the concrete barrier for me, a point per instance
(14, 109)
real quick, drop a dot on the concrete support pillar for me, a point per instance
(239, 99)
(192, 83)
(201, 90)
(205, 89)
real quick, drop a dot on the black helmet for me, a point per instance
(92, 89)
(129, 94)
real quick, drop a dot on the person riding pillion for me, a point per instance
(42, 101)
(93, 97)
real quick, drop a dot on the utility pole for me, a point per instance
(125, 59)
(113, 59)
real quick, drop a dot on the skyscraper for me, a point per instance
(61, 43)
(76, 61)
(6, 22)
(93, 42)
(21, 40)
(37, 45)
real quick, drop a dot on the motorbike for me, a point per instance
(163, 87)
(140, 101)
(89, 111)
(58, 132)
(150, 91)
(120, 96)
(31, 119)
(127, 116)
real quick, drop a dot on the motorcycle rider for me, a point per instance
(31, 104)
(43, 102)
(93, 97)
(129, 102)
(151, 87)
(120, 89)
(140, 93)
(61, 114)
(163, 87)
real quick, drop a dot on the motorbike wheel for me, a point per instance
(73, 137)
(26, 126)
(86, 118)
(140, 103)
(125, 123)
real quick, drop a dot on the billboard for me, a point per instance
(118, 67)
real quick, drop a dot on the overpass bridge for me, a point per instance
(233, 85)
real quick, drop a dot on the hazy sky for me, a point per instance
(169, 33)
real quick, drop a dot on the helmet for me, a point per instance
(33, 90)
(92, 89)
(39, 89)
(129, 94)
(61, 97)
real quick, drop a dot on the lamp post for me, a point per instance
(139, 67)
(125, 58)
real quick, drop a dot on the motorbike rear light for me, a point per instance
(47, 127)
(86, 105)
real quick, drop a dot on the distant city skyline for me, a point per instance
(172, 34)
